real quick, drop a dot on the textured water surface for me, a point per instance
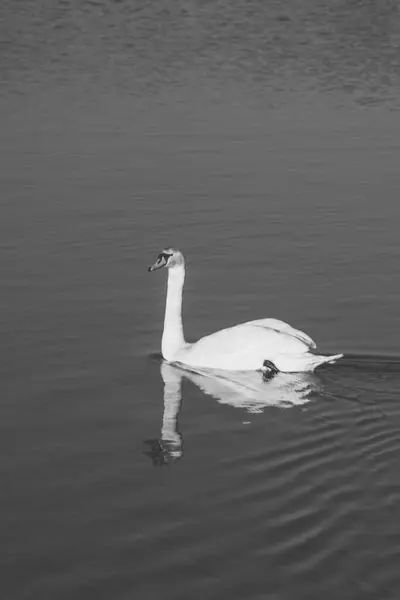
(263, 140)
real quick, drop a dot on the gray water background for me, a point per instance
(263, 140)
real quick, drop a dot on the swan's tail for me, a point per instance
(316, 360)
(304, 362)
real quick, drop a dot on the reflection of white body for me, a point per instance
(245, 390)
(244, 347)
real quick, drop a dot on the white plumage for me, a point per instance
(243, 347)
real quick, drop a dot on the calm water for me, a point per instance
(263, 140)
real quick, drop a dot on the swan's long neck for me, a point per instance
(172, 339)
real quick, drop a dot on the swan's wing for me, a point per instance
(242, 347)
(282, 327)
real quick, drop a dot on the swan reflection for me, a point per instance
(246, 390)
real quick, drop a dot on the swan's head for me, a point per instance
(170, 258)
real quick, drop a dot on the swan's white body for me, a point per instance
(243, 347)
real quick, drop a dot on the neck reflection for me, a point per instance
(170, 446)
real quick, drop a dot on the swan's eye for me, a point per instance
(163, 256)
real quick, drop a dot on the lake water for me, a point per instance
(263, 140)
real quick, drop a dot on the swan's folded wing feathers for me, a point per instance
(281, 326)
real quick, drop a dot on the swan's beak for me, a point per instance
(161, 262)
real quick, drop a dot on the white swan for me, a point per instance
(262, 345)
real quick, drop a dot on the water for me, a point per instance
(263, 141)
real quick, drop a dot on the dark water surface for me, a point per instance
(263, 140)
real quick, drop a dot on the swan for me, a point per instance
(266, 345)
